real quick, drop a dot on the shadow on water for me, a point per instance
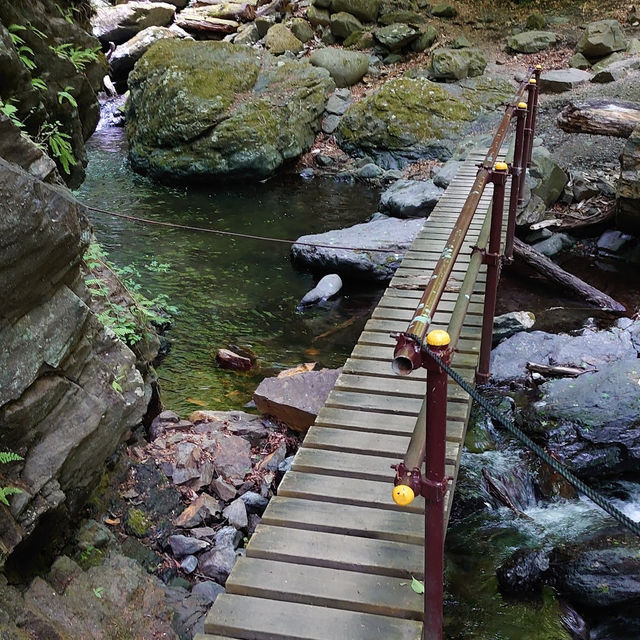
(228, 290)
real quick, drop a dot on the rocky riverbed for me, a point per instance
(368, 91)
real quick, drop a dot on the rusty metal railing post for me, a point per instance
(434, 487)
(492, 259)
(515, 197)
(528, 136)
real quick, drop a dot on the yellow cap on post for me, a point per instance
(532, 81)
(538, 66)
(403, 495)
(522, 105)
(438, 338)
(501, 166)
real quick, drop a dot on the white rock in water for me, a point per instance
(326, 288)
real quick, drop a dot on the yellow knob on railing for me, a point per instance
(501, 166)
(532, 81)
(438, 338)
(538, 66)
(522, 105)
(403, 495)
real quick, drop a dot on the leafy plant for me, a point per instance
(128, 322)
(5, 492)
(66, 95)
(67, 14)
(58, 143)
(39, 83)
(10, 110)
(78, 56)
(26, 53)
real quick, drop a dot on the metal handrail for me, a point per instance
(407, 352)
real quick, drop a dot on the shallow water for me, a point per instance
(228, 291)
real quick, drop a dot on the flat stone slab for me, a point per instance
(377, 248)
(410, 198)
(561, 80)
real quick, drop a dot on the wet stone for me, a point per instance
(186, 545)
(236, 514)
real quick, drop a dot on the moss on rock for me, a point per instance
(202, 110)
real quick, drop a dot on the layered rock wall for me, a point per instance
(69, 388)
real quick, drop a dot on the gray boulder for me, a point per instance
(628, 192)
(217, 563)
(389, 237)
(601, 38)
(395, 37)
(295, 400)
(616, 70)
(184, 121)
(366, 10)
(588, 350)
(561, 80)
(345, 67)
(455, 64)
(328, 286)
(121, 22)
(410, 198)
(236, 514)
(548, 179)
(126, 55)
(444, 11)
(446, 173)
(301, 29)
(531, 41)
(578, 61)
(554, 244)
(344, 24)
(185, 545)
(508, 324)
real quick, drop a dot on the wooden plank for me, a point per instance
(375, 349)
(333, 550)
(257, 619)
(325, 587)
(334, 438)
(395, 325)
(365, 493)
(406, 314)
(346, 519)
(344, 464)
(464, 364)
(403, 309)
(366, 420)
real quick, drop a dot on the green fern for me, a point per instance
(5, 492)
(65, 95)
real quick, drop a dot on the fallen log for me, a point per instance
(559, 276)
(549, 370)
(600, 116)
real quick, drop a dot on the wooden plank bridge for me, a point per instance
(333, 556)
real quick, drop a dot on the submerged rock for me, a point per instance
(390, 237)
(328, 286)
(202, 110)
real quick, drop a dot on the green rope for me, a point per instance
(583, 488)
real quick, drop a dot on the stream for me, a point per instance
(244, 292)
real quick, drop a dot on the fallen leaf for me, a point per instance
(417, 586)
(112, 521)
(200, 403)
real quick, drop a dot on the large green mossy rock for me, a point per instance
(202, 110)
(407, 118)
(366, 10)
(412, 118)
(455, 64)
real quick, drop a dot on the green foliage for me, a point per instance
(10, 110)
(128, 322)
(67, 13)
(78, 56)
(39, 84)
(26, 53)
(58, 143)
(66, 95)
(5, 492)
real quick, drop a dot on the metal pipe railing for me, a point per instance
(428, 441)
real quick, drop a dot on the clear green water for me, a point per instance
(228, 291)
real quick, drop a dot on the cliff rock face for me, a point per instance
(69, 388)
(50, 70)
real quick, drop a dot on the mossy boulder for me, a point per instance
(280, 39)
(202, 110)
(531, 41)
(395, 37)
(427, 36)
(366, 10)
(318, 16)
(455, 64)
(301, 29)
(405, 120)
(344, 24)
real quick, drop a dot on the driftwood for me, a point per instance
(558, 275)
(272, 7)
(211, 26)
(241, 11)
(549, 370)
(601, 116)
